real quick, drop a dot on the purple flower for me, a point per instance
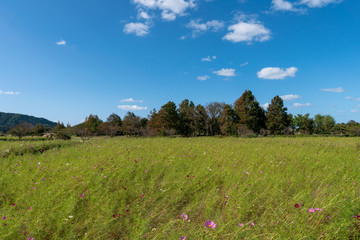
(297, 205)
(241, 224)
(182, 238)
(31, 238)
(4, 217)
(210, 224)
(184, 216)
(318, 209)
(311, 210)
(252, 224)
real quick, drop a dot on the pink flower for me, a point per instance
(184, 216)
(260, 172)
(297, 205)
(29, 207)
(210, 224)
(311, 210)
(252, 224)
(241, 225)
(34, 187)
(247, 173)
(82, 195)
(318, 209)
(4, 217)
(182, 238)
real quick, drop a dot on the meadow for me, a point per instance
(181, 188)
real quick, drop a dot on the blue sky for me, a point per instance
(64, 60)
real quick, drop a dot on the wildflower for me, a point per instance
(210, 224)
(154, 229)
(34, 187)
(260, 172)
(31, 238)
(241, 225)
(318, 209)
(252, 224)
(71, 216)
(82, 195)
(29, 207)
(4, 217)
(13, 204)
(311, 210)
(297, 205)
(247, 173)
(184, 216)
(182, 238)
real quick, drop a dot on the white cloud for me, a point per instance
(182, 37)
(276, 73)
(335, 90)
(353, 99)
(143, 15)
(225, 72)
(139, 29)
(199, 27)
(203, 78)
(248, 29)
(131, 100)
(131, 107)
(297, 105)
(8, 93)
(170, 9)
(318, 3)
(265, 105)
(290, 97)
(61, 43)
(208, 59)
(244, 64)
(282, 5)
(354, 111)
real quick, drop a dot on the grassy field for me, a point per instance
(168, 188)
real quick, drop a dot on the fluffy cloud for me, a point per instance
(335, 90)
(318, 3)
(282, 5)
(290, 97)
(297, 105)
(203, 78)
(131, 100)
(139, 29)
(276, 73)
(225, 72)
(131, 107)
(208, 59)
(199, 27)
(8, 93)
(61, 43)
(248, 29)
(170, 9)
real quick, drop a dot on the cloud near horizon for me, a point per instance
(275, 73)
(290, 97)
(131, 108)
(8, 93)
(297, 105)
(334, 90)
(131, 100)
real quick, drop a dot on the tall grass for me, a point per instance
(138, 188)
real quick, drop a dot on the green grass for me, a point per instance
(148, 183)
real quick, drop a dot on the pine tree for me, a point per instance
(277, 119)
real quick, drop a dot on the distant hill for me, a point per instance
(9, 120)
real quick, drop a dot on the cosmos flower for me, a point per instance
(184, 216)
(311, 210)
(252, 224)
(210, 224)
(241, 224)
(182, 238)
(297, 205)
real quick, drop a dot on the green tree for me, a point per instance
(323, 124)
(201, 120)
(228, 120)
(91, 124)
(131, 124)
(249, 112)
(21, 130)
(214, 111)
(39, 130)
(303, 123)
(277, 119)
(187, 118)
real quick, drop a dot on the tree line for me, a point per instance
(243, 118)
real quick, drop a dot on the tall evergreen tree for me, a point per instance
(187, 118)
(249, 112)
(277, 119)
(201, 120)
(228, 120)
